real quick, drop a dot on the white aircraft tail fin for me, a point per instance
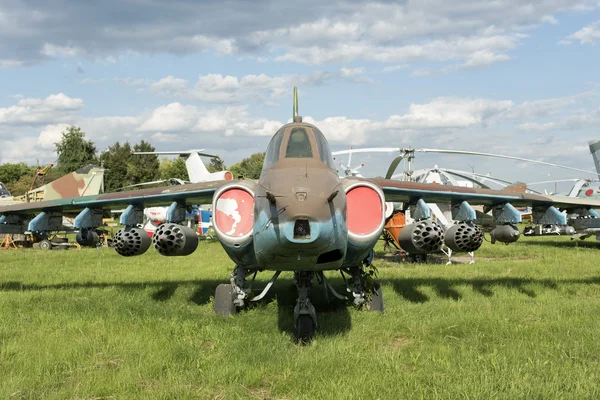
(196, 169)
(595, 150)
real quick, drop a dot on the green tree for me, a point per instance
(10, 173)
(18, 177)
(216, 165)
(143, 168)
(74, 151)
(116, 160)
(173, 169)
(250, 167)
(22, 185)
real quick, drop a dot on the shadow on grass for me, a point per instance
(332, 314)
(408, 288)
(333, 317)
(589, 243)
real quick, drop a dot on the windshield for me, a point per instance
(324, 152)
(298, 145)
(273, 149)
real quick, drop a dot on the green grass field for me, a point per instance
(523, 322)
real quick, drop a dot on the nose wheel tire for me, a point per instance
(224, 296)
(376, 302)
(305, 329)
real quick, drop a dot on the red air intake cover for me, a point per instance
(234, 214)
(364, 210)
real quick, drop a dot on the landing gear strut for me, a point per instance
(232, 296)
(305, 316)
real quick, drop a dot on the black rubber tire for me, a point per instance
(417, 258)
(45, 245)
(376, 302)
(305, 329)
(224, 295)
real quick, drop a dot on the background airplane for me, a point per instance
(197, 172)
(299, 217)
(196, 169)
(86, 181)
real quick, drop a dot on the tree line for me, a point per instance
(74, 151)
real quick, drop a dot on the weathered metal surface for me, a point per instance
(549, 215)
(463, 212)
(506, 214)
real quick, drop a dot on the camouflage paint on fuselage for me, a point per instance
(85, 181)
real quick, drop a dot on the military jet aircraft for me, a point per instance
(299, 217)
(85, 181)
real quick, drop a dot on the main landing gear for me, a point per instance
(364, 292)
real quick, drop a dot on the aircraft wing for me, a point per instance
(402, 191)
(195, 193)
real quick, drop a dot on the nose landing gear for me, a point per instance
(305, 315)
(365, 293)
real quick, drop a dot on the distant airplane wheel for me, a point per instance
(376, 302)
(417, 258)
(45, 245)
(305, 329)
(224, 300)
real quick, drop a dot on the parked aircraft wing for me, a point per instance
(401, 191)
(195, 193)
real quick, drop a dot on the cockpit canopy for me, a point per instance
(4, 191)
(298, 141)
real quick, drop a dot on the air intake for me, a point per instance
(301, 229)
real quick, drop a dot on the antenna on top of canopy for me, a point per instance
(295, 116)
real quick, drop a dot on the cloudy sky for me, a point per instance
(512, 77)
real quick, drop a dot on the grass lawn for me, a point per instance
(522, 322)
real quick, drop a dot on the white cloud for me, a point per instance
(588, 34)
(355, 75)
(482, 58)
(549, 19)
(51, 50)
(170, 118)
(132, 81)
(346, 130)
(7, 63)
(536, 127)
(529, 110)
(217, 88)
(51, 134)
(446, 122)
(303, 31)
(393, 68)
(54, 108)
(187, 120)
(449, 112)
(164, 137)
